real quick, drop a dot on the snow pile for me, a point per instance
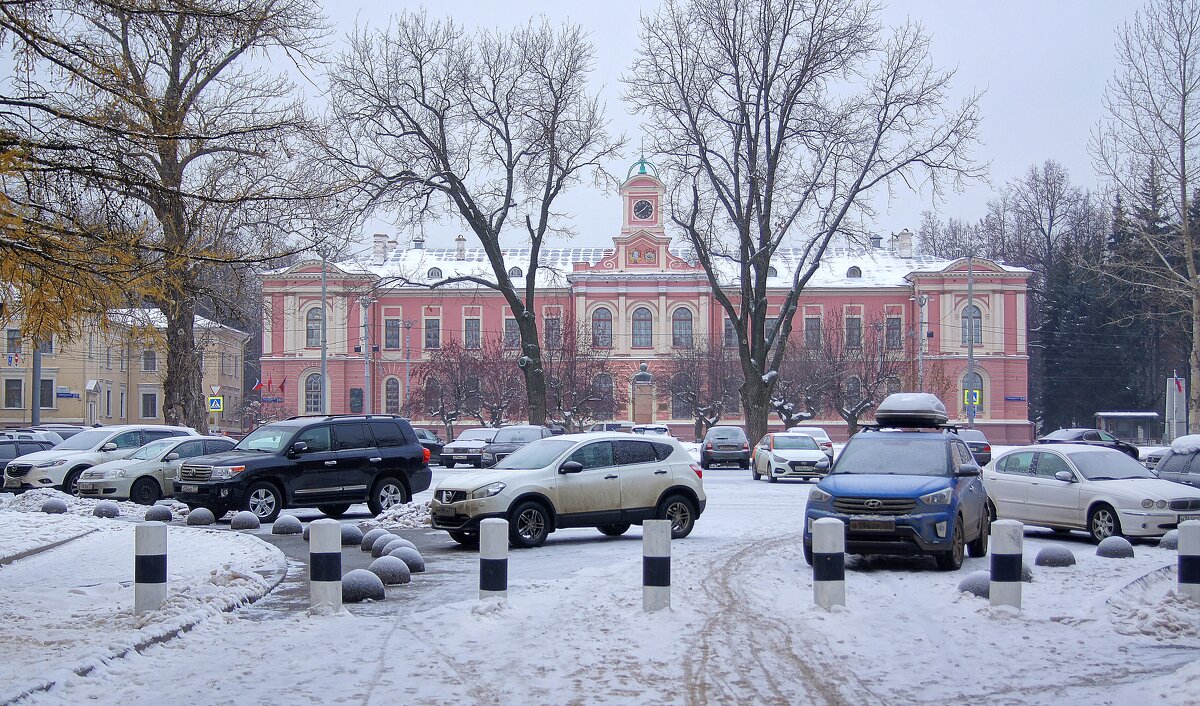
(407, 516)
(1172, 617)
(31, 501)
(19, 535)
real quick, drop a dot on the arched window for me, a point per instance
(972, 325)
(515, 272)
(312, 394)
(973, 381)
(772, 272)
(643, 328)
(602, 328)
(681, 328)
(683, 396)
(312, 328)
(854, 272)
(435, 273)
(605, 402)
(391, 396)
(853, 391)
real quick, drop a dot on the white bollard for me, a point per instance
(1189, 559)
(656, 565)
(325, 564)
(493, 558)
(149, 566)
(829, 562)
(1008, 538)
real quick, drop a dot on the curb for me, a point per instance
(91, 663)
(5, 561)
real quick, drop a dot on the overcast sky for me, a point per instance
(1042, 65)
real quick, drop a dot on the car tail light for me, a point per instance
(987, 448)
(426, 455)
(698, 471)
(745, 445)
(708, 446)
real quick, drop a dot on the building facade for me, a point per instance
(641, 299)
(114, 374)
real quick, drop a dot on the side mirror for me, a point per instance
(110, 446)
(298, 448)
(171, 457)
(967, 469)
(822, 465)
(570, 467)
(1065, 476)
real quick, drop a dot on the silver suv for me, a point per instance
(607, 480)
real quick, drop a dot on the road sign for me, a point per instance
(216, 404)
(972, 396)
(215, 388)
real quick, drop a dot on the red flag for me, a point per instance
(257, 385)
(281, 384)
(269, 385)
(1179, 384)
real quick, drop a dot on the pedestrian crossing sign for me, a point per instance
(969, 396)
(216, 404)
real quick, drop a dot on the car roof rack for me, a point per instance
(339, 416)
(876, 426)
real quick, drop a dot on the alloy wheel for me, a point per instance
(262, 502)
(530, 524)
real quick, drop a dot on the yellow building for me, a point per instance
(115, 375)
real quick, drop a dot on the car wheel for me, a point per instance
(145, 491)
(466, 539)
(528, 525)
(808, 554)
(682, 514)
(264, 500)
(952, 559)
(979, 546)
(447, 464)
(614, 530)
(705, 463)
(70, 484)
(754, 473)
(744, 464)
(478, 464)
(334, 511)
(1103, 523)
(387, 493)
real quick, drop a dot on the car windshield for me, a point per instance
(972, 436)
(895, 454)
(84, 441)
(806, 443)
(477, 435)
(268, 438)
(1109, 465)
(658, 431)
(1063, 435)
(814, 433)
(517, 435)
(535, 455)
(154, 449)
(726, 433)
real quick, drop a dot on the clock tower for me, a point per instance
(642, 198)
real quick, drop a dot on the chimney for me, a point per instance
(876, 241)
(902, 243)
(460, 247)
(418, 242)
(392, 244)
(379, 252)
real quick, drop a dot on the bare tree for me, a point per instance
(501, 393)
(777, 121)
(860, 373)
(1153, 107)
(164, 108)
(702, 378)
(490, 128)
(581, 379)
(803, 382)
(450, 384)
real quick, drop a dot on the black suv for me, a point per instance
(326, 462)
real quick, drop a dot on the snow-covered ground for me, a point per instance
(742, 629)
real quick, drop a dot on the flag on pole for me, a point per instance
(257, 385)
(269, 385)
(281, 383)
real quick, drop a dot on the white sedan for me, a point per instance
(1102, 491)
(788, 455)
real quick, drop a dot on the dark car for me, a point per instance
(11, 448)
(431, 441)
(725, 445)
(511, 438)
(326, 462)
(978, 443)
(1091, 437)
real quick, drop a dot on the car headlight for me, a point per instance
(487, 491)
(778, 459)
(941, 497)
(119, 473)
(226, 472)
(816, 495)
(489, 456)
(51, 464)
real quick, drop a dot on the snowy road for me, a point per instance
(742, 630)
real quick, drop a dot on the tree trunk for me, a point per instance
(756, 401)
(183, 395)
(1193, 413)
(533, 370)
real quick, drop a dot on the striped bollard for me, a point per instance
(1008, 537)
(829, 562)
(493, 558)
(149, 566)
(1189, 559)
(325, 565)
(656, 565)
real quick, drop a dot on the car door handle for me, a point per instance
(660, 472)
(331, 463)
(375, 459)
(610, 477)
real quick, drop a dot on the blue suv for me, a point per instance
(907, 485)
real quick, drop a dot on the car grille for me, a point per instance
(500, 457)
(195, 473)
(1186, 504)
(874, 506)
(92, 475)
(18, 470)
(452, 496)
(803, 464)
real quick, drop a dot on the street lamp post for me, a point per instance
(921, 300)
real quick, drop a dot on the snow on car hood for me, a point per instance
(476, 479)
(882, 486)
(801, 454)
(1140, 488)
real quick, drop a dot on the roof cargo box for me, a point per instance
(911, 409)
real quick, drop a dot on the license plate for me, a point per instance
(189, 489)
(87, 486)
(873, 525)
(1185, 518)
(460, 458)
(443, 511)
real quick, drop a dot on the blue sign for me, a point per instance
(1014, 399)
(272, 399)
(67, 395)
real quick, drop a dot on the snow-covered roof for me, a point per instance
(1186, 444)
(1127, 415)
(154, 318)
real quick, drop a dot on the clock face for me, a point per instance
(643, 210)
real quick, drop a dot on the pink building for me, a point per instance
(641, 297)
